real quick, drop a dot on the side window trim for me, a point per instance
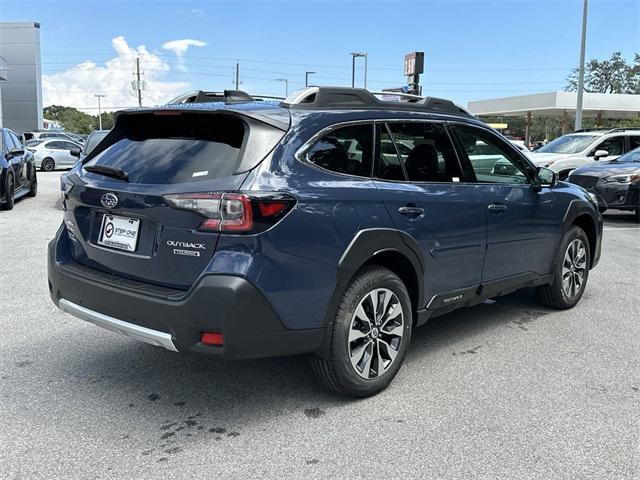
(303, 151)
(519, 159)
(379, 125)
(398, 155)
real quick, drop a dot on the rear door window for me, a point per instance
(56, 145)
(634, 142)
(170, 149)
(613, 145)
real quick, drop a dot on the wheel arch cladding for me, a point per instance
(385, 247)
(586, 223)
(400, 265)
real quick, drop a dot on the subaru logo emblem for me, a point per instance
(109, 200)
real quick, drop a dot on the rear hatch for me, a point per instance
(119, 211)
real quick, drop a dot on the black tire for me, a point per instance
(9, 192)
(555, 294)
(33, 185)
(602, 209)
(337, 372)
(637, 215)
(48, 165)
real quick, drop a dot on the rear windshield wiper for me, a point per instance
(108, 171)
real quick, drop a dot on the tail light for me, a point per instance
(234, 212)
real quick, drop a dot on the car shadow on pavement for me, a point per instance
(190, 398)
(619, 218)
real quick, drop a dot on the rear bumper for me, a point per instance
(175, 320)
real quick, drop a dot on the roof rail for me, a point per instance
(322, 98)
(226, 96)
(583, 130)
(606, 129)
(622, 129)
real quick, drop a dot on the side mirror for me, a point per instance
(15, 152)
(75, 152)
(600, 154)
(547, 177)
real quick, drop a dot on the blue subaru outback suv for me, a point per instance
(332, 223)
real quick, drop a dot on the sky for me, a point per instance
(473, 49)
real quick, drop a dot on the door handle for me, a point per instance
(497, 208)
(411, 211)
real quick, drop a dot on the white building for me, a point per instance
(559, 105)
(21, 91)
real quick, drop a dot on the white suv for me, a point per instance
(584, 147)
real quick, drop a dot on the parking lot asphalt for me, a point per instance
(502, 390)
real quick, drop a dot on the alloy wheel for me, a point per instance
(573, 268)
(375, 333)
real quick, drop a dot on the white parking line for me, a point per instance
(621, 228)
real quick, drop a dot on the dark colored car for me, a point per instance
(17, 170)
(616, 184)
(91, 142)
(247, 230)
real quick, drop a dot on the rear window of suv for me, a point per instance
(175, 148)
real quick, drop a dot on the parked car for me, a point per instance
(92, 141)
(246, 230)
(17, 170)
(519, 144)
(616, 184)
(584, 147)
(47, 134)
(54, 153)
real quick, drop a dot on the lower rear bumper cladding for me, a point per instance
(217, 303)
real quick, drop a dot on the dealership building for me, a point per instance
(20, 76)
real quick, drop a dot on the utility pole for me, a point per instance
(286, 85)
(237, 75)
(353, 70)
(306, 78)
(355, 55)
(138, 82)
(99, 96)
(583, 44)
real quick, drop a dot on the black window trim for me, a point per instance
(301, 153)
(468, 178)
(529, 168)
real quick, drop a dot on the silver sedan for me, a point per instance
(54, 153)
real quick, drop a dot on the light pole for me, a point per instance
(583, 44)
(355, 55)
(286, 85)
(306, 78)
(99, 96)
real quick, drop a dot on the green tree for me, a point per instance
(614, 75)
(73, 120)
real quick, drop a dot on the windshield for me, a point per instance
(93, 140)
(568, 144)
(632, 156)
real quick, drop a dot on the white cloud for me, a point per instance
(180, 47)
(76, 86)
(198, 12)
